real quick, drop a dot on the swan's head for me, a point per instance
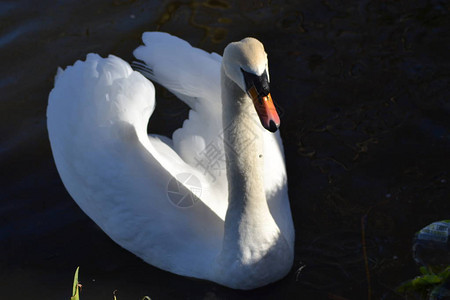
(245, 62)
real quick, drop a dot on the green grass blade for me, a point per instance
(75, 290)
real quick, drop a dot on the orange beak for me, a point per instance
(266, 110)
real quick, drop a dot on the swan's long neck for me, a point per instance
(250, 231)
(244, 148)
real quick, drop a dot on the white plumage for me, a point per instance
(97, 118)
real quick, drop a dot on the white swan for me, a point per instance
(238, 232)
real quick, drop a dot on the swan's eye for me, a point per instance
(260, 83)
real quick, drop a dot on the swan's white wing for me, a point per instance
(193, 75)
(97, 117)
(189, 72)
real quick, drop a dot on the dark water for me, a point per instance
(363, 90)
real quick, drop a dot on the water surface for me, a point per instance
(364, 101)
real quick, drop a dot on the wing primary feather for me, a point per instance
(142, 68)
